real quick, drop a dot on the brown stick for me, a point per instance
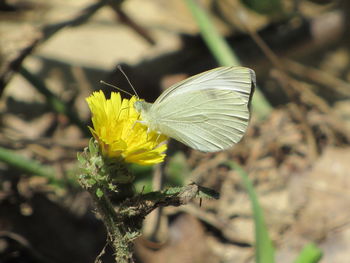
(14, 65)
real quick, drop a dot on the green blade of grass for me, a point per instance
(223, 52)
(28, 166)
(264, 247)
(217, 45)
(309, 254)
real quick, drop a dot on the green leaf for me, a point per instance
(173, 190)
(207, 193)
(264, 247)
(81, 158)
(93, 148)
(309, 254)
(99, 193)
(91, 182)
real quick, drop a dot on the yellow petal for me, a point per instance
(117, 130)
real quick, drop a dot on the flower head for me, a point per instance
(118, 132)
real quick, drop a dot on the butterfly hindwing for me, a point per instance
(207, 121)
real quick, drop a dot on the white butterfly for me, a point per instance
(208, 112)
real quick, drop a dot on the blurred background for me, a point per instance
(296, 152)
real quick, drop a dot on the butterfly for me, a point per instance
(208, 112)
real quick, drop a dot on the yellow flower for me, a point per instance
(118, 133)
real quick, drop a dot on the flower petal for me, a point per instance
(117, 129)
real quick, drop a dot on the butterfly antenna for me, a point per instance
(121, 70)
(110, 85)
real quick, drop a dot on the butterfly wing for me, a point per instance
(237, 79)
(208, 112)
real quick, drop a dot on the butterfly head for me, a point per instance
(144, 108)
(141, 106)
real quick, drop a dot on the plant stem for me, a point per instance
(116, 228)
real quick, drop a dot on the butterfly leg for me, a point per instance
(158, 136)
(149, 130)
(159, 133)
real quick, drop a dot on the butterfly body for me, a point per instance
(208, 112)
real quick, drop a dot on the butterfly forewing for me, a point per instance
(238, 79)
